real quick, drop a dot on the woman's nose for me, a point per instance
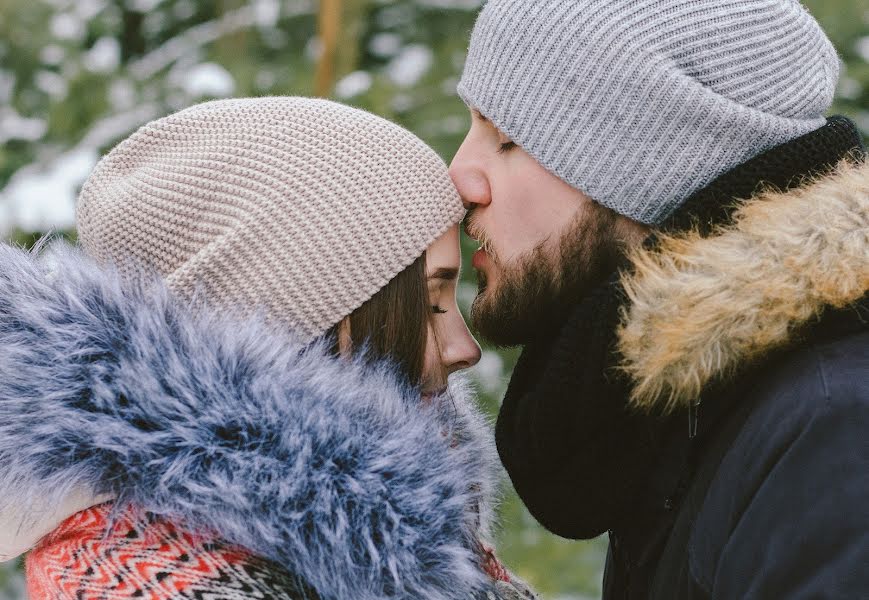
(463, 352)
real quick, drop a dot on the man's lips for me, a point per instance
(480, 257)
(478, 260)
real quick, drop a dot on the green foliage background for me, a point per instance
(76, 76)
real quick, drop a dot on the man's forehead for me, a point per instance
(475, 112)
(478, 116)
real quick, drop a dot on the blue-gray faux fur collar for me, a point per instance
(327, 467)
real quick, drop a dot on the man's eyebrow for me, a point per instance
(445, 274)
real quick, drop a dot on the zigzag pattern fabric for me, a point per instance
(147, 557)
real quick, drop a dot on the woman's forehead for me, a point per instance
(443, 256)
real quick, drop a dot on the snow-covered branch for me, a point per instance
(205, 33)
(42, 195)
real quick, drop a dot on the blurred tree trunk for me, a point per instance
(341, 27)
(354, 22)
(329, 30)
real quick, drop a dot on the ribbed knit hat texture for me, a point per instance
(640, 103)
(302, 207)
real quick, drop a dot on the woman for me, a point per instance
(239, 388)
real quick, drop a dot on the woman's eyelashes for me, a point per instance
(438, 310)
(506, 147)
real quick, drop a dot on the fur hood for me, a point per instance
(326, 466)
(701, 307)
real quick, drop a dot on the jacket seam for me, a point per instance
(822, 375)
(693, 567)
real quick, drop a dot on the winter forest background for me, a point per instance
(76, 76)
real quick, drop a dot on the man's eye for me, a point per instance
(437, 310)
(506, 147)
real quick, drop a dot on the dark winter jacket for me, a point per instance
(710, 406)
(330, 469)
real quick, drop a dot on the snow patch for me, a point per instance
(453, 125)
(353, 84)
(849, 88)
(209, 79)
(410, 65)
(385, 45)
(198, 36)
(88, 9)
(15, 127)
(862, 120)
(122, 94)
(43, 200)
(52, 84)
(104, 56)
(266, 12)
(448, 86)
(489, 372)
(143, 6)
(862, 47)
(265, 80)
(313, 49)
(154, 24)
(65, 26)
(7, 84)
(466, 293)
(401, 103)
(41, 196)
(52, 55)
(397, 15)
(184, 9)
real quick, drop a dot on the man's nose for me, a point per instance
(470, 179)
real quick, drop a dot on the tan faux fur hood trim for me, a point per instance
(700, 307)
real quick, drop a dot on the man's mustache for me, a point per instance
(474, 231)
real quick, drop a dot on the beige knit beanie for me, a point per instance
(302, 207)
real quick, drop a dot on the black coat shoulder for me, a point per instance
(787, 513)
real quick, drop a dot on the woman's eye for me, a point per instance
(437, 310)
(506, 147)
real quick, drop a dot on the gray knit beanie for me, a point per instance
(304, 208)
(640, 103)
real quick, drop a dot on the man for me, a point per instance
(695, 371)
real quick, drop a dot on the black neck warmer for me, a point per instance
(582, 461)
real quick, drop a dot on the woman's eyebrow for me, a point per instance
(445, 274)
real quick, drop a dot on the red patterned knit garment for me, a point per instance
(144, 557)
(147, 557)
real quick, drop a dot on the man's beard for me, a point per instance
(536, 291)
